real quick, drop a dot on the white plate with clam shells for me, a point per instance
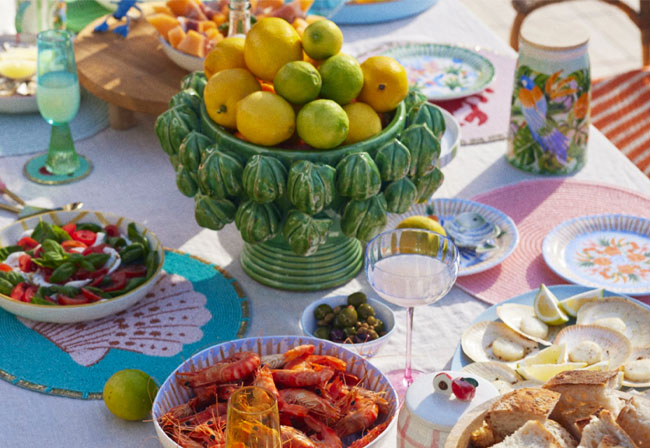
(610, 332)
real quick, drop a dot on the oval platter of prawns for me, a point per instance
(328, 396)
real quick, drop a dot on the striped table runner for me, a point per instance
(620, 109)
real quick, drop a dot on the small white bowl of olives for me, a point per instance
(355, 321)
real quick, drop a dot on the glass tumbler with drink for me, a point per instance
(253, 419)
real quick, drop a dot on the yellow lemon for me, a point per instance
(420, 242)
(342, 78)
(544, 372)
(265, 118)
(364, 122)
(224, 90)
(228, 53)
(547, 307)
(322, 39)
(270, 44)
(129, 394)
(385, 83)
(422, 222)
(297, 82)
(322, 124)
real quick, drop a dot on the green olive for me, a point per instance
(346, 318)
(349, 331)
(321, 311)
(379, 326)
(357, 299)
(372, 334)
(365, 310)
(337, 309)
(322, 332)
(372, 321)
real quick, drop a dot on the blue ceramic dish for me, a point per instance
(383, 11)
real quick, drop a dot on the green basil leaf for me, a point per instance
(63, 272)
(87, 265)
(12, 277)
(97, 291)
(60, 234)
(97, 260)
(131, 284)
(41, 301)
(5, 287)
(152, 263)
(7, 250)
(132, 253)
(90, 226)
(52, 251)
(116, 241)
(43, 231)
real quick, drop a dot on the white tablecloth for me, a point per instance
(132, 177)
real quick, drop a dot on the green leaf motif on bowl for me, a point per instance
(264, 178)
(187, 97)
(424, 148)
(400, 195)
(414, 99)
(357, 176)
(213, 213)
(305, 233)
(428, 184)
(196, 81)
(430, 115)
(311, 186)
(185, 181)
(257, 222)
(191, 148)
(393, 160)
(173, 125)
(220, 174)
(364, 219)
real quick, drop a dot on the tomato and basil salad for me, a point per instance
(75, 264)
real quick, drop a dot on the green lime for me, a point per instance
(322, 39)
(322, 124)
(342, 78)
(297, 82)
(129, 394)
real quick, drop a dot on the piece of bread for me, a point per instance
(516, 408)
(583, 393)
(482, 437)
(531, 435)
(602, 425)
(561, 435)
(634, 418)
(609, 442)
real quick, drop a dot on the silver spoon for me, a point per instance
(29, 210)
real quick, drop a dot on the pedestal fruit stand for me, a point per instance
(304, 214)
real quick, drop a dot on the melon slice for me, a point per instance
(193, 43)
(205, 25)
(219, 18)
(175, 36)
(163, 9)
(178, 7)
(163, 23)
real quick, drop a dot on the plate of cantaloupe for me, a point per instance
(189, 29)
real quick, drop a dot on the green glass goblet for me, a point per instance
(57, 96)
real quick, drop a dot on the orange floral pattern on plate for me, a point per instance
(615, 260)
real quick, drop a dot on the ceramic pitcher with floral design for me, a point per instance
(549, 119)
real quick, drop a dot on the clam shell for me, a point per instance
(636, 317)
(616, 347)
(477, 341)
(643, 353)
(470, 229)
(511, 314)
(498, 373)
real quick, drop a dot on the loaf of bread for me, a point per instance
(634, 418)
(601, 425)
(531, 435)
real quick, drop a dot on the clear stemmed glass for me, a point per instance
(57, 96)
(253, 419)
(410, 267)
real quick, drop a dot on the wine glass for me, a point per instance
(57, 96)
(410, 267)
(253, 419)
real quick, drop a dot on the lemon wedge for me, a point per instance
(555, 354)
(547, 307)
(599, 366)
(573, 303)
(544, 372)
(17, 69)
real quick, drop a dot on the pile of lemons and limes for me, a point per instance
(275, 83)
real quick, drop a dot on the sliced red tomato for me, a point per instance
(19, 291)
(47, 273)
(29, 293)
(50, 299)
(134, 270)
(68, 245)
(5, 267)
(90, 295)
(38, 252)
(118, 279)
(27, 242)
(112, 230)
(87, 237)
(76, 300)
(26, 264)
(99, 249)
(70, 228)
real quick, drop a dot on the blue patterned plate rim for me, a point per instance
(562, 292)
(485, 68)
(558, 241)
(494, 215)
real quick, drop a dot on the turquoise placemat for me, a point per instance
(22, 134)
(193, 305)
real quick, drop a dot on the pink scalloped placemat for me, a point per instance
(538, 206)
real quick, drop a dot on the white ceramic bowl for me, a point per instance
(172, 394)
(90, 311)
(366, 349)
(183, 60)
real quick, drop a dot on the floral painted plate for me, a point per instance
(446, 209)
(443, 72)
(608, 251)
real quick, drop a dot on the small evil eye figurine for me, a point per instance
(463, 388)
